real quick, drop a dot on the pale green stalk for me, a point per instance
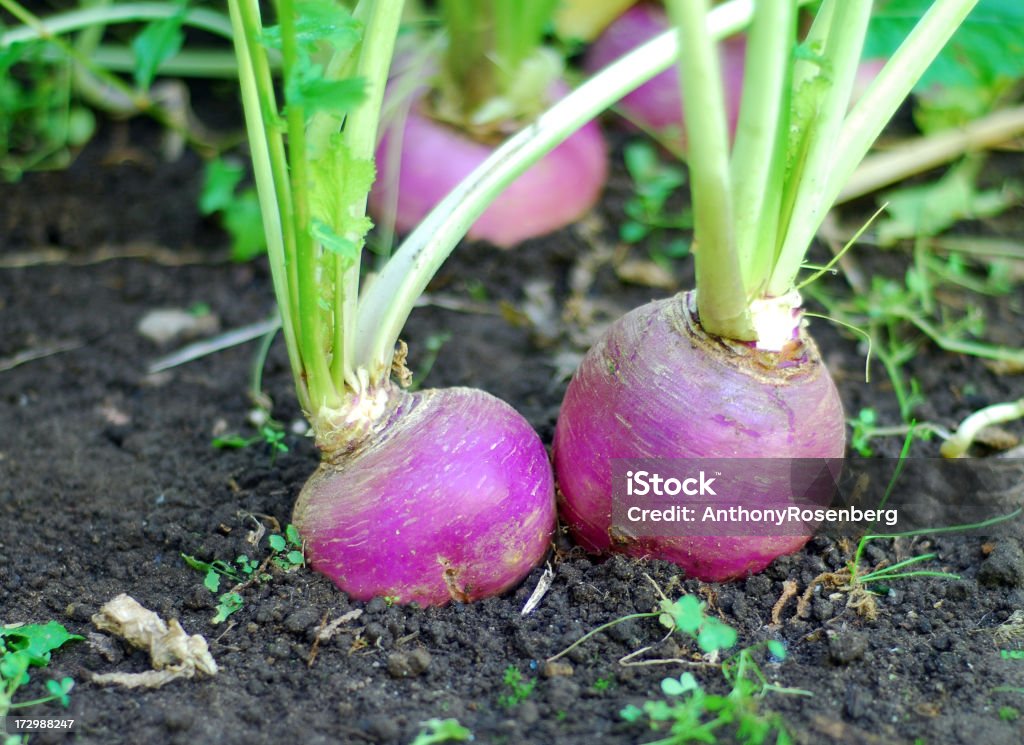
(388, 300)
(381, 29)
(254, 75)
(722, 298)
(758, 158)
(844, 40)
(75, 20)
(865, 122)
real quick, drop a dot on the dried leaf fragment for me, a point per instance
(174, 653)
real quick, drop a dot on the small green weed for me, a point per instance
(442, 730)
(602, 684)
(854, 579)
(271, 435)
(285, 553)
(519, 687)
(694, 715)
(24, 647)
(1009, 713)
(238, 208)
(648, 216)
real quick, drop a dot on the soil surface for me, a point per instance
(108, 476)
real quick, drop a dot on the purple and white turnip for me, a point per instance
(657, 385)
(447, 496)
(423, 497)
(728, 371)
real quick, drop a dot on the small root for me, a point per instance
(857, 597)
(788, 592)
(450, 576)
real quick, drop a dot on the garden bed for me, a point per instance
(108, 476)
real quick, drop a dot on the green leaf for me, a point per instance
(155, 44)
(37, 640)
(317, 21)
(442, 730)
(685, 684)
(244, 222)
(777, 649)
(307, 88)
(632, 713)
(60, 689)
(340, 183)
(220, 177)
(277, 542)
(230, 602)
(685, 614)
(296, 558)
(988, 45)
(212, 580)
(715, 635)
(931, 209)
(292, 534)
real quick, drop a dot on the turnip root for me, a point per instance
(446, 495)
(657, 386)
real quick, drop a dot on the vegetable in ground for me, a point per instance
(728, 370)
(422, 497)
(492, 77)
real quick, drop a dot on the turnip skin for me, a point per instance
(656, 386)
(451, 498)
(555, 192)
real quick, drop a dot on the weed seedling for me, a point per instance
(854, 579)
(271, 434)
(21, 648)
(519, 688)
(654, 183)
(602, 684)
(442, 730)
(1009, 713)
(285, 553)
(694, 715)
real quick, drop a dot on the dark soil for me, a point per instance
(107, 476)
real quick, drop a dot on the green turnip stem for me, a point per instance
(867, 119)
(722, 299)
(921, 154)
(759, 157)
(75, 20)
(380, 31)
(388, 300)
(844, 40)
(254, 75)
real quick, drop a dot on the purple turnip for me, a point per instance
(448, 495)
(728, 371)
(657, 106)
(423, 497)
(657, 386)
(434, 157)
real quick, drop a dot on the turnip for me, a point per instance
(424, 497)
(493, 78)
(728, 371)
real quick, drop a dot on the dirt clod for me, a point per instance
(408, 664)
(1003, 567)
(846, 647)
